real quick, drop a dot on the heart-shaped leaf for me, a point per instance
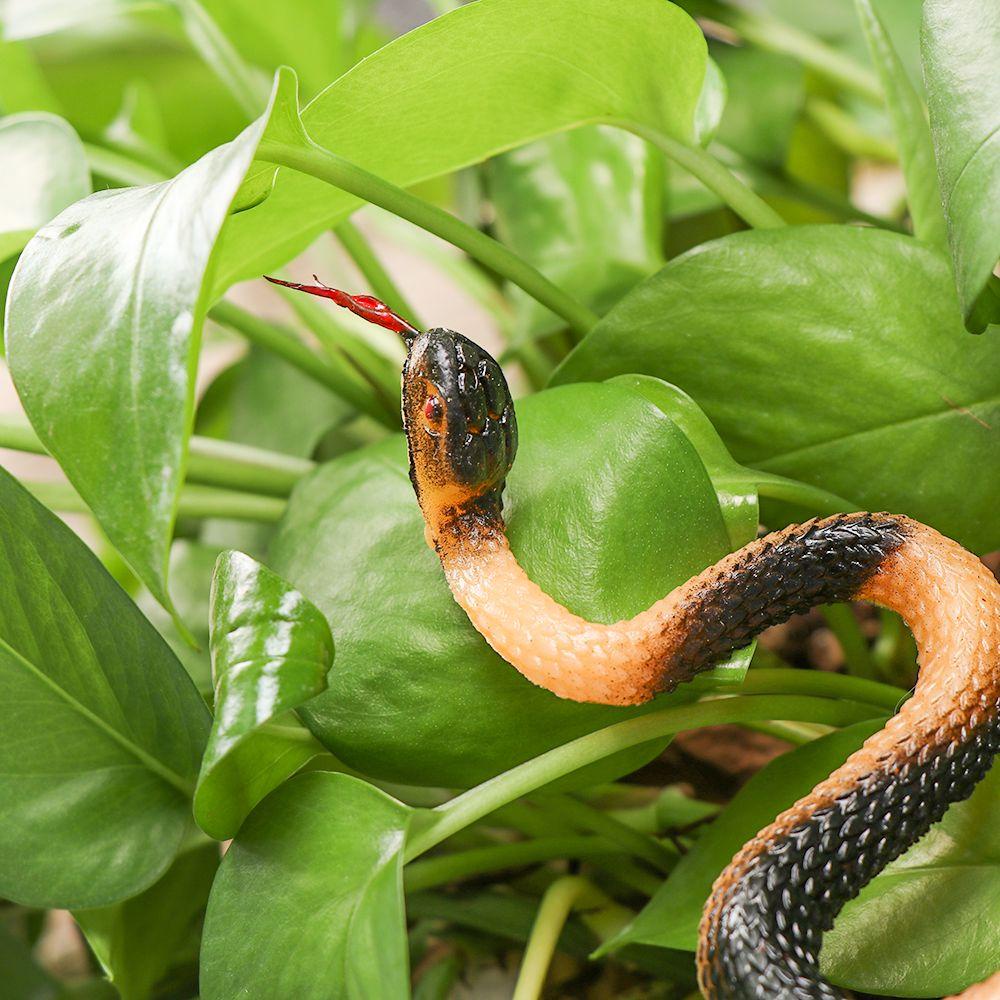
(315, 873)
(961, 48)
(271, 650)
(671, 917)
(103, 327)
(528, 68)
(940, 900)
(103, 730)
(608, 529)
(882, 398)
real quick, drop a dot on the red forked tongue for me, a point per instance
(366, 306)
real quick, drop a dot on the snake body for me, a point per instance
(763, 923)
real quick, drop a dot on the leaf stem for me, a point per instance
(221, 57)
(793, 491)
(773, 35)
(819, 684)
(745, 202)
(857, 656)
(195, 501)
(482, 860)
(528, 777)
(378, 278)
(557, 903)
(615, 831)
(211, 462)
(335, 170)
(341, 381)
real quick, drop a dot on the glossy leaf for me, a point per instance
(586, 208)
(916, 154)
(939, 900)
(136, 941)
(847, 368)
(961, 48)
(315, 873)
(271, 650)
(607, 530)
(103, 326)
(44, 170)
(735, 486)
(670, 919)
(103, 730)
(528, 68)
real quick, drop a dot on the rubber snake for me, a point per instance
(763, 923)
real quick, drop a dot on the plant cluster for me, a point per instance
(666, 221)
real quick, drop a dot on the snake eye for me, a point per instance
(433, 409)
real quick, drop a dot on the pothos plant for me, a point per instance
(708, 333)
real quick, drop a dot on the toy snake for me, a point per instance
(762, 926)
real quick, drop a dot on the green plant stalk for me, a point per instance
(271, 337)
(842, 622)
(778, 184)
(195, 501)
(345, 346)
(796, 733)
(340, 173)
(614, 831)
(219, 55)
(818, 684)
(534, 774)
(120, 168)
(378, 278)
(484, 860)
(559, 900)
(772, 35)
(843, 131)
(745, 202)
(802, 494)
(546, 820)
(211, 462)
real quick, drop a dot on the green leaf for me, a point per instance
(892, 938)
(607, 530)
(909, 123)
(528, 68)
(586, 208)
(308, 902)
(882, 397)
(271, 651)
(671, 918)
(44, 169)
(104, 321)
(735, 486)
(961, 49)
(137, 941)
(98, 717)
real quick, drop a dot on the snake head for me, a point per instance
(460, 425)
